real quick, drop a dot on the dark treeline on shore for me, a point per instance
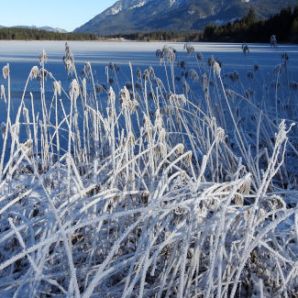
(16, 33)
(248, 29)
(162, 36)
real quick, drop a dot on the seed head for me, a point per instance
(189, 48)
(158, 120)
(125, 97)
(281, 136)
(215, 64)
(216, 68)
(163, 150)
(162, 135)
(127, 103)
(131, 139)
(147, 123)
(193, 75)
(5, 71)
(239, 200)
(68, 59)
(168, 54)
(2, 92)
(57, 87)
(87, 69)
(180, 148)
(112, 96)
(189, 158)
(28, 147)
(178, 99)
(220, 134)
(68, 65)
(74, 91)
(34, 72)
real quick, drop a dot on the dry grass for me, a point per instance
(149, 196)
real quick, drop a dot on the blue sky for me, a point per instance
(66, 14)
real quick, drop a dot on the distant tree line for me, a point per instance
(249, 29)
(16, 33)
(161, 36)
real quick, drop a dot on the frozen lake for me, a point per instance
(141, 53)
(23, 55)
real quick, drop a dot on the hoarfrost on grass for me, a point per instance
(161, 190)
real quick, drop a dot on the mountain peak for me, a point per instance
(123, 5)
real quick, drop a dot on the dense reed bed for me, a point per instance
(180, 186)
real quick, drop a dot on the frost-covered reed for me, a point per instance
(160, 193)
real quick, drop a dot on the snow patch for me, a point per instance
(138, 5)
(172, 2)
(116, 10)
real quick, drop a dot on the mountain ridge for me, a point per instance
(131, 16)
(44, 28)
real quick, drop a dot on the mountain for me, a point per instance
(44, 28)
(129, 16)
(52, 29)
